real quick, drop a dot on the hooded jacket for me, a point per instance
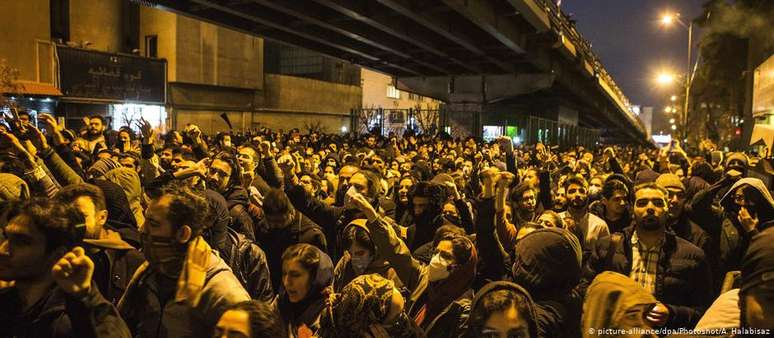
(547, 263)
(306, 313)
(274, 241)
(129, 181)
(682, 274)
(345, 273)
(728, 238)
(477, 319)
(115, 262)
(120, 217)
(614, 301)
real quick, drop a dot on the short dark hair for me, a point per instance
(276, 203)
(611, 186)
(577, 180)
(233, 163)
(462, 247)
(60, 223)
(97, 116)
(71, 192)
(187, 206)
(264, 321)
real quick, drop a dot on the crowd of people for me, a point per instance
(274, 233)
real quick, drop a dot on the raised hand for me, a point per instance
(148, 134)
(36, 137)
(73, 272)
(361, 203)
(16, 145)
(659, 315)
(748, 221)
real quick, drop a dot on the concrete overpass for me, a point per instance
(500, 57)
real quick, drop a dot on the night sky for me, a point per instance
(632, 45)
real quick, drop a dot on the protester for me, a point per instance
(667, 266)
(411, 235)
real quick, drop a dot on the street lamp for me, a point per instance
(673, 98)
(668, 19)
(672, 121)
(665, 79)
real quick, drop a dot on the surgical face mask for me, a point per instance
(438, 268)
(165, 255)
(360, 263)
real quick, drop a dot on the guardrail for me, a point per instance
(565, 27)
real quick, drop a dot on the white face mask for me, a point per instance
(352, 191)
(360, 263)
(438, 268)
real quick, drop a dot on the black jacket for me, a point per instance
(238, 204)
(60, 315)
(275, 241)
(681, 279)
(248, 262)
(115, 263)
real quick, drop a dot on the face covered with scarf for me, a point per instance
(164, 247)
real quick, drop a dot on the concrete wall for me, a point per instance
(162, 24)
(209, 54)
(294, 102)
(98, 22)
(23, 22)
(375, 94)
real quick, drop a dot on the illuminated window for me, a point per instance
(393, 92)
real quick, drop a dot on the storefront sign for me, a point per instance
(104, 76)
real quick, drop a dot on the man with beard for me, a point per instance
(426, 203)
(185, 286)
(560, 200)
(588, 226)
(94, 133)
(282, 227)
(669, 267)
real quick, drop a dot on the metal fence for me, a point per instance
(523, 128)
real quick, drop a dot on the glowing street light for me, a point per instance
(672, 121)
(668, 18)
(665, 79)
(673, 98)
(674, 127)
(667, 109)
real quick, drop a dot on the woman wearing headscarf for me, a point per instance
(502, 309)
(307, 272)
(440, 292)
(370, 306)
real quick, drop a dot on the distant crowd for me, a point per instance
(269, 233)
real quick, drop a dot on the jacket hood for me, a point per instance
(129, 181)
(610, 301)
(547, 262)
(728, 198)
(476, 319)
(112, 241)
(377, 262)
(13, 188)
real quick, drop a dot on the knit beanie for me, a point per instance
(13, 188)
(667, 181)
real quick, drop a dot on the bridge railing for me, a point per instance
(562, 23)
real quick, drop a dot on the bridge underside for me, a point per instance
(485, 51)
